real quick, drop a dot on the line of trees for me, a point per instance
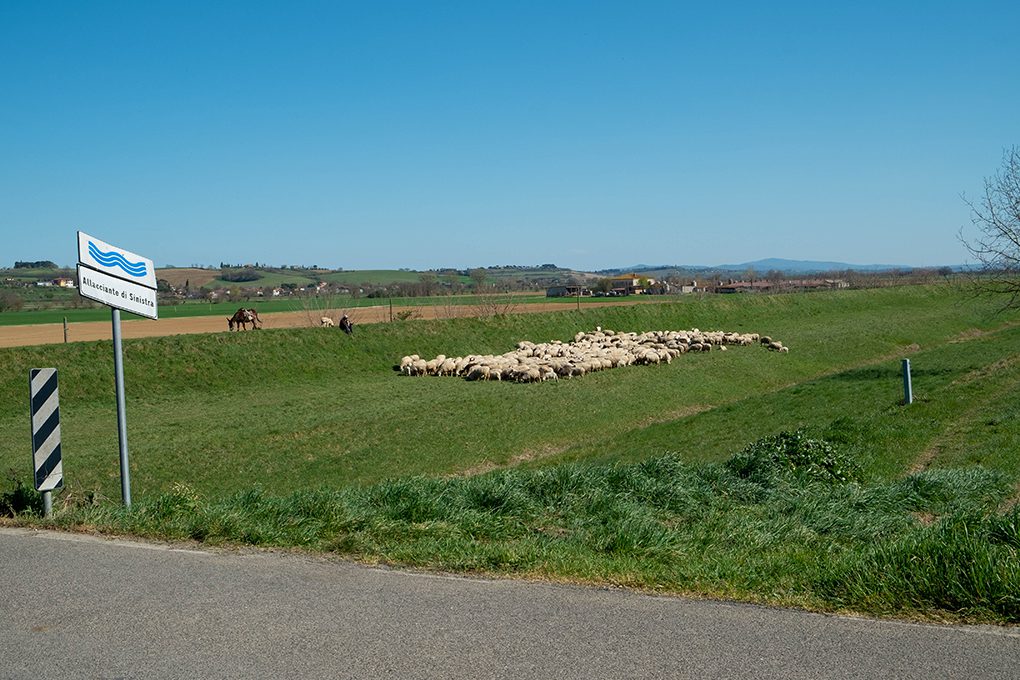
(38, 264)
(243, 275)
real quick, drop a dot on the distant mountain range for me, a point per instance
(808, 266)
(768, 264)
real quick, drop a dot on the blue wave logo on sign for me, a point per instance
(115, 259)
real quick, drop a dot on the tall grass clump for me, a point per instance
(965, 564)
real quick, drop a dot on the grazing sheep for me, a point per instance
(587, 353)
(326, 322)
(478, 372)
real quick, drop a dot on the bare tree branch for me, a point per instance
(996, 218)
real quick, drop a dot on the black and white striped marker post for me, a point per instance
(45, 404)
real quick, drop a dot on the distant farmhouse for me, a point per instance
(630, 284)
(60, 282)
(567, 291)
(625, 284)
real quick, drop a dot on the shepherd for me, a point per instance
(346, 325)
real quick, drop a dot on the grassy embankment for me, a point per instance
(307, 438)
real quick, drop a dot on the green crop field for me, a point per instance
(794, 479)
(378, 277)
(266, 279)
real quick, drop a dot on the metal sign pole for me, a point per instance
(118, 369)
(908, 390)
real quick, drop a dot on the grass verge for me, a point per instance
(783, 522)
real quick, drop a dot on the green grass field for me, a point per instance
(378, 277)
(266, 279)
(631, 476)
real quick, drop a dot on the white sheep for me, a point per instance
(587, 353)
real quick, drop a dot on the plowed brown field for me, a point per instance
(44, 334)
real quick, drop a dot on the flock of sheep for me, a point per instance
(588, 352)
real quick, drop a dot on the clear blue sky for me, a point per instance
(432, 134)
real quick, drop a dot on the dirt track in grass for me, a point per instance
(53, 333)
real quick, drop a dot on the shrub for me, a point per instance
(22, 499)
(792, 454)
(241, 275)
(10, 301)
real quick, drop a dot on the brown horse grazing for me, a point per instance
(242, 317)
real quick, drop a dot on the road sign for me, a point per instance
(122, 280)
(118, 293)
(45, 410)
(114, 261)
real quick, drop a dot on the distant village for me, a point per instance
(251, 282)
(633, 284)
(617, 286)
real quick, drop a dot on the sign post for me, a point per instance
(44, 399)
(119, 279)
(118, 372)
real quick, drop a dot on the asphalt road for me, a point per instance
(81, 607)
